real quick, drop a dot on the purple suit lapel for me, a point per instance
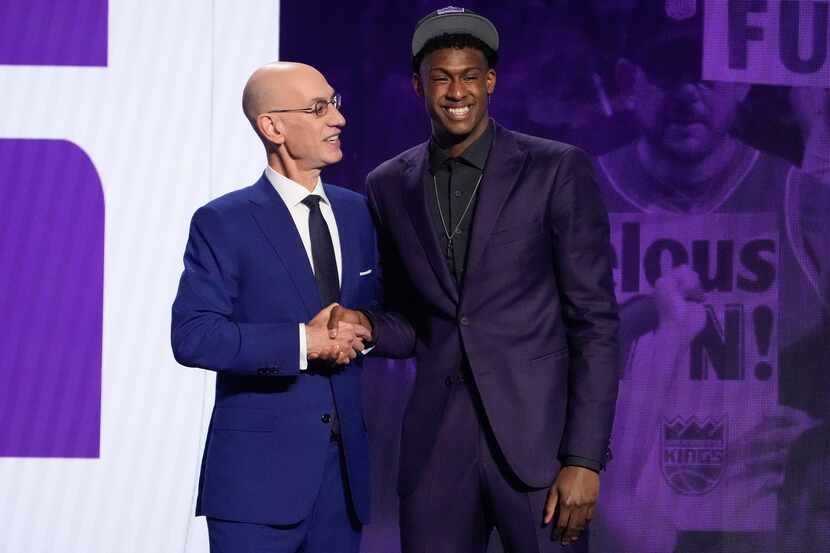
(504, 166)
(415, 206)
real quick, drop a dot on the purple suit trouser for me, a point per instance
(467, 489)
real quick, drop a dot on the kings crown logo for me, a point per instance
(693, 453)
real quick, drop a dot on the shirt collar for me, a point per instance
(292, 192)
(475, 155)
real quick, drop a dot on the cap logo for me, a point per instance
(681, 9)
(450, 9)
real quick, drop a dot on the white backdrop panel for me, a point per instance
(163, 125)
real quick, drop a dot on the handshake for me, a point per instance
(337, 334)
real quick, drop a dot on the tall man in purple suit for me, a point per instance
(496, 270)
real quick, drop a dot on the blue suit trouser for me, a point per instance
(331, 527)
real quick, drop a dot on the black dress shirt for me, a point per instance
(455, 180)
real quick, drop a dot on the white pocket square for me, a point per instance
(366, 272)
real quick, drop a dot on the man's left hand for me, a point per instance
(575, 493)
(342, 314)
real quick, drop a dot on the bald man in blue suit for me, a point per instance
(285, 466)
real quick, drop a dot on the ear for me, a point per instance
(271, 128)
(417, 85)
(490, 79)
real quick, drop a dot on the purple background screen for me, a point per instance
(53, 32)
(725, 446)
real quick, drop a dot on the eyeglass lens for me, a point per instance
(322, 106)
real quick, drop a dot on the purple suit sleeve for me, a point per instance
(583, 272)
(393, 331)
(203, 334)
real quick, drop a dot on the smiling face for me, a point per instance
(312, 142)
(299, 144)
(455, 84)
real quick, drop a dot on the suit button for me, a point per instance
(326, 418)
(464, 321)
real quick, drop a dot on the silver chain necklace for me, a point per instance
(451, 236)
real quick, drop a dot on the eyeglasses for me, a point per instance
(319, 109)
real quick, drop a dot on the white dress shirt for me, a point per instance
(293, 194)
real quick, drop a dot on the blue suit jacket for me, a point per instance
(246, 285)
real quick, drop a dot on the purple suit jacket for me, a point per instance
(535, 316)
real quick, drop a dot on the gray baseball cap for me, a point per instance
(452, 20)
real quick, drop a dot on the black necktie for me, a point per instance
(325, 271)
(322, 252)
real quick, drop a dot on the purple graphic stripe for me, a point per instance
(53, 32)
(51, 291)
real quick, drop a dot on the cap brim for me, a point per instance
(455, 23)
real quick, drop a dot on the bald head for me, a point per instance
(279, 85)
(295, 113)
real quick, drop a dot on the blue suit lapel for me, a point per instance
(349, 246)
(275, 221)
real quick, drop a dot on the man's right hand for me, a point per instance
(343, 347)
